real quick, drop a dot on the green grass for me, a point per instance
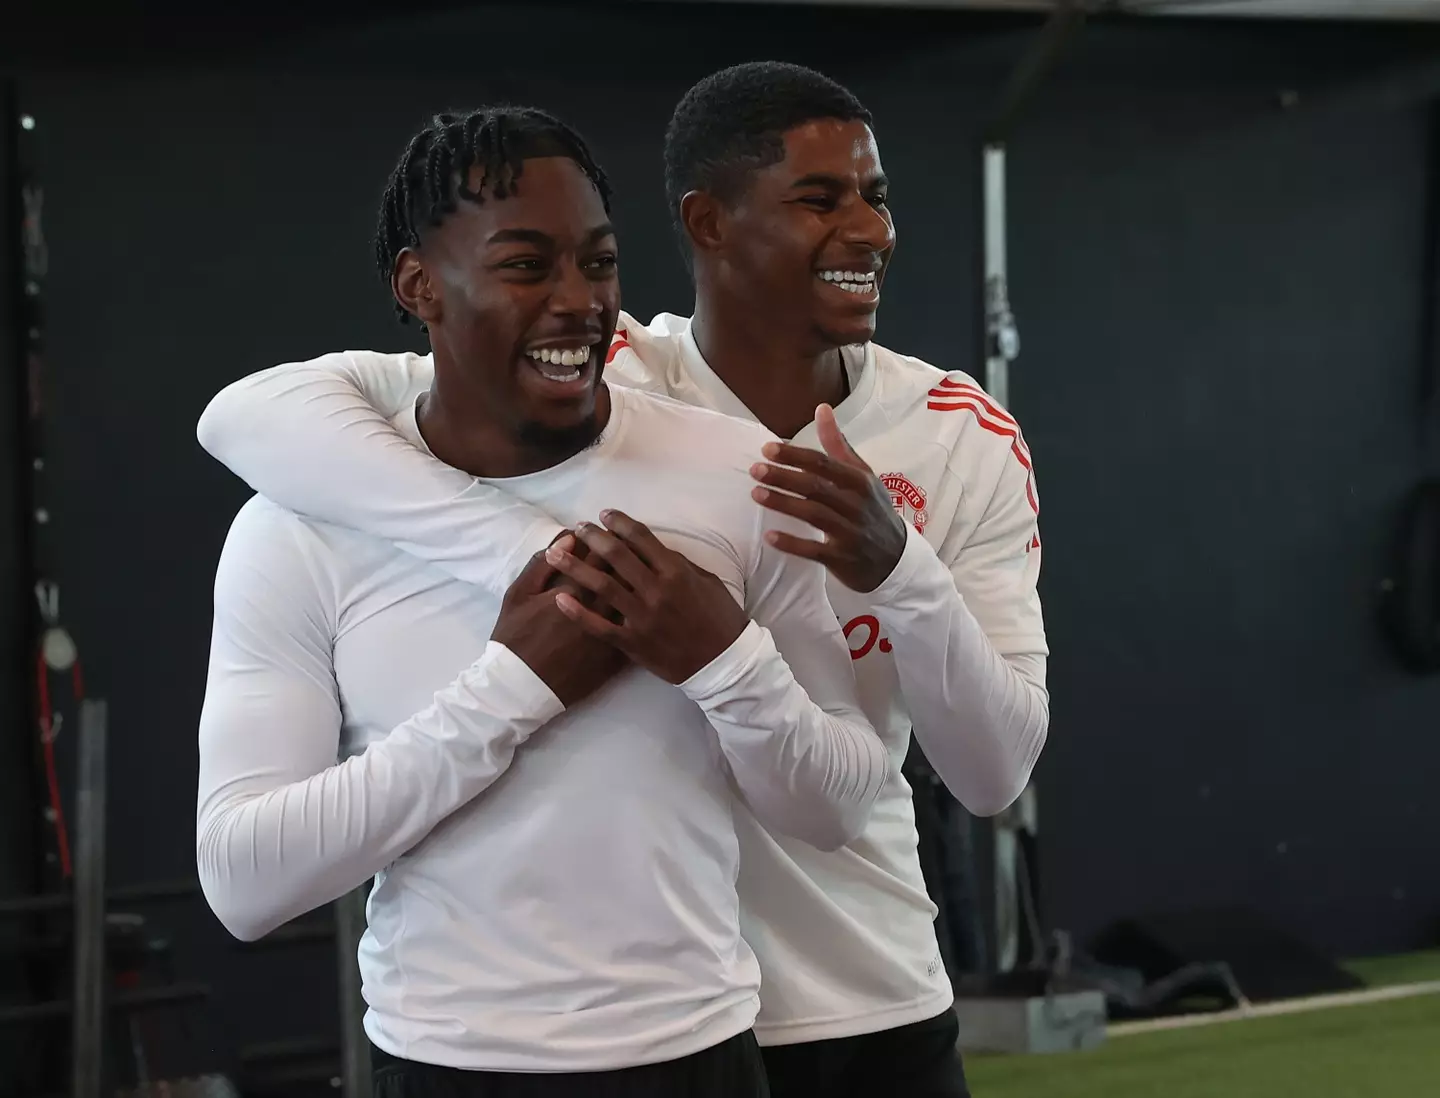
(1405, 968)
(1368, 1051)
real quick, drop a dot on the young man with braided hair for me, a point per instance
(919, 484)
(550, 818)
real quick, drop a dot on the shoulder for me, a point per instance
(272, 553)
(395, 360)
(265, 537)
(408, 363)
(697, 461)
(948, 407)
(646, 356)
(400, 374)
(690, 435)
(262, 531)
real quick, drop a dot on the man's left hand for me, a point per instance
(839, 495)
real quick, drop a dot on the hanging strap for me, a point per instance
(56, 659)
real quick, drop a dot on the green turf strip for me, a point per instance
(1405, 968)
(1370, 1051)
(1367, 1051)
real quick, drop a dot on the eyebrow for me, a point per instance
(545, 240)
(835, 183)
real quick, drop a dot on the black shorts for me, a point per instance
(915, 1061)
(732, 1069)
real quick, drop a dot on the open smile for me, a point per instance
(863, 285)
(564, 370)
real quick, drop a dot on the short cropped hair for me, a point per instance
(734, 122)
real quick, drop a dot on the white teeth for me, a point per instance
(855, 282)
(569, 357)
(560, 365)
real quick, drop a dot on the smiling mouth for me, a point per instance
(562, 365)
(859, 283)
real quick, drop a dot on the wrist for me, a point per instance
(501, 662)
(918, 566)
(728, 667)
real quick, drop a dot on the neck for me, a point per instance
(780, 380)
(459, 426)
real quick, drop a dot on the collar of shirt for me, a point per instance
(859, 369)
(407, 422)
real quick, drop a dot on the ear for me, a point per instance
(703, 216)
(412, 288)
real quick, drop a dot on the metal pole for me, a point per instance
(1002, 347)
(354, 1045)
(1002, 338)
(87, 1047)
(19, 808)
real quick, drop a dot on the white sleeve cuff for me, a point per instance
(915, 562)
(730, 666)
(498, 666)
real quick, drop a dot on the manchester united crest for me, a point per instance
(909, 500)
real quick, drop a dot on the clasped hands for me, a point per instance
(602, 597)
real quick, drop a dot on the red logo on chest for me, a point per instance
(908, 500)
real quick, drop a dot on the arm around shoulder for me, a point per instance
(316, 437)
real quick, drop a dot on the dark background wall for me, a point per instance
(1220, 304)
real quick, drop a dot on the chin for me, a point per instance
(846, 334)
(563, 428)
(562, 440)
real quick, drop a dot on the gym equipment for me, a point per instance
(94, 932)
(87, 1041)
(946, 834)
(1233, 953)
(1063, 1021)
(124, 894)
(316, 1062)
(1010, 832)
(102, 947)
(355, 1070)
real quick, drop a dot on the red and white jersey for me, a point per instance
(848, 936)
(952, 644)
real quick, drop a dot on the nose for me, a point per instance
(573, 294)
(868, 228)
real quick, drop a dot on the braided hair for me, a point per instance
(427, 184)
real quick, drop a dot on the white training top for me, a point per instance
(952, 643)
(555, 890)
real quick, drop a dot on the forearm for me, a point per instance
(805, 772)
(316, 437)
(981, 718)
(269, 850)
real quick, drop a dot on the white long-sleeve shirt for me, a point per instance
(555, 889)
(952, 644)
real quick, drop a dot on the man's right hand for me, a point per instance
(571, 662)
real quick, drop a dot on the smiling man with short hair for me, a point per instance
(551, 819)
